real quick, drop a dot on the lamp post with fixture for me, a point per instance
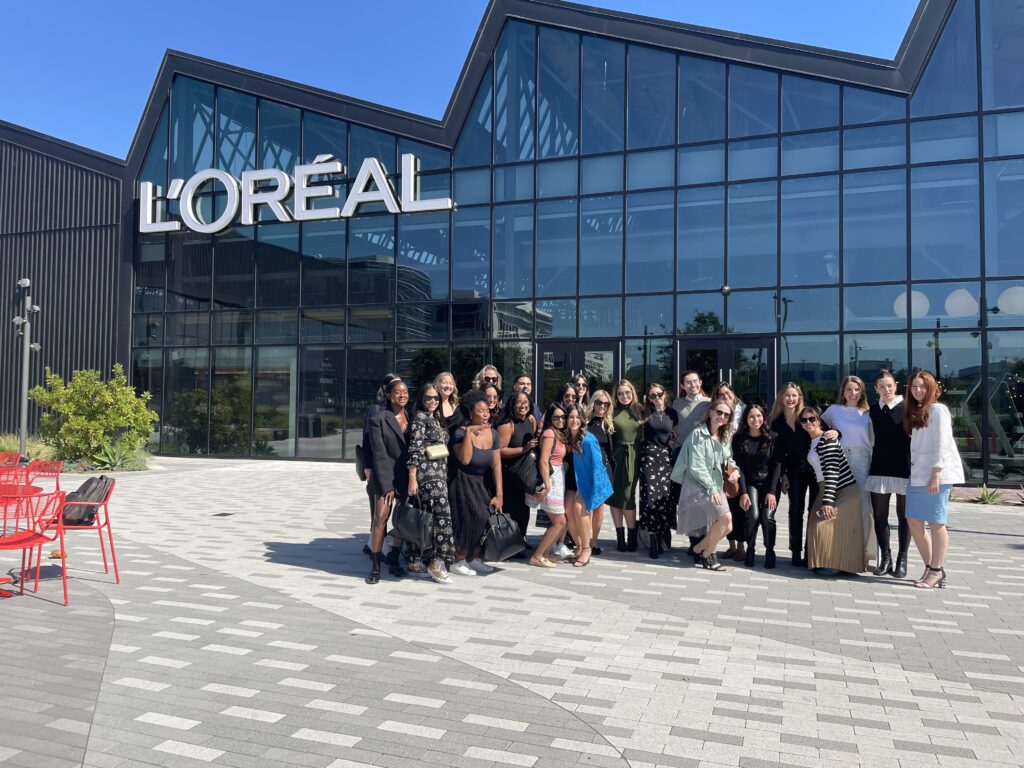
(23, 323)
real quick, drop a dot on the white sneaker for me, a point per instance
(462, 568)
(438, 572)
(480, 566)
(562, 551)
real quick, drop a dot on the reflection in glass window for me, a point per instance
(556, 248)
(646, 170)
(955, 359)
(187, 329)
(647, 315)
(1006, 396)
(236, 131)
(813, 363)
(148, 331)
(431, 158)
(233, 327)
(323, 263)
(868, 353)
(808, 104)
(701, 164)
(149, 273)
(863, 106)
(467, 359)
(323, 325)
(810, 309)
(186, 408)
(935, 140)
(371, 324)
(875, 226)
(279, 136)
(556, 318)
(419, 364)
(810, 230)
(752, 257)
(1002, 67)
(701, 99)
(649, 360)
(649, 241)
(874, 146)
(600, 317)
(277, 326)
(371, 259)
(234, 268)
(700, 313)
(751, 312)
(148, 376)
(365, 368)
(515, 84)
(277, 265)
(513, 320)
(604, 95)
(946, 305)
(950, 80)
(602, 174)
(422, 256)
(557, 131)
(944, 221)
(154, 167)
(1004, 134)
(753, 101)
(472, 187)
(875, 307)
(810, 153)
(600, 246)
(652, 94)
(230, 402)
(558, 179)
(423, 322)
(512, 268)
(367, 142)
(513, 358)
(513, 182)
(324, 136)
(1005, 300)
(474, 144)
(188, 273)
(1004, 217)
(191, 127)
(753, 159)
(471, 253)
(470, 320)
(274, 402)
(321, 402)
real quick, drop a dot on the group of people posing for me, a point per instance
(705, 465)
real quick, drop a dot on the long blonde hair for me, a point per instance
(606, 421)
(862, 401)
(779, 408)
(453, 399)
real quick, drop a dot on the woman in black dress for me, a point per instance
(655, 467)
(798, 479)
(428, 478)
(889, 473)
(517, 435)
(389, 429)
(755, 453)
(476, 483)
(601, 426)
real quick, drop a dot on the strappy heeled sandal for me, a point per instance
(923, 582)
(709, 562)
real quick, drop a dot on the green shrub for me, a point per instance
(34, 447)
(118, 456)
(88, 415)
(987, 495)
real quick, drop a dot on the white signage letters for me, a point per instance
(272, 187)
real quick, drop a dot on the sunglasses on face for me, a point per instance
(601, 403)
(723, 414)
(808, 419)
(624, 393)
(568, 396)
(431, 398)
(491, 379)
(656, 395)
(558, 417)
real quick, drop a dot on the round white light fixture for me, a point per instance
(1011, 301)
(960, 303)
(919, 305)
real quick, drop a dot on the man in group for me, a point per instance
(524, 383)
(692, 406)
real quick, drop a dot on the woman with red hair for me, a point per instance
(935, 467)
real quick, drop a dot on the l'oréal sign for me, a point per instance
(272, 187)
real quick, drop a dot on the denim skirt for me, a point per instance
(931, 507)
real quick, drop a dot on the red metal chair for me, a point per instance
(44, 528)
(9, 506)
(100, 522)
(42, 468)
(9, 459)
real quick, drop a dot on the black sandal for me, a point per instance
(709, 562)
(940, 584)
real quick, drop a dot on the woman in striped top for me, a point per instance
(835, 527)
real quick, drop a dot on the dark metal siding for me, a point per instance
(59, 227)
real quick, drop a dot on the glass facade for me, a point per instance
(606, 190)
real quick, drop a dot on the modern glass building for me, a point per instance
(631, 197)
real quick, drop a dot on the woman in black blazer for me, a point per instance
(389, 434)
(366, 452)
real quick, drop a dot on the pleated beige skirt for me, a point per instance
(837, 543)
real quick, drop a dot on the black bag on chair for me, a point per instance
(503, 538)
(411, 523)
(524, 470)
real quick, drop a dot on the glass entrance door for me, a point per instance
(558, 362)
(746, 363)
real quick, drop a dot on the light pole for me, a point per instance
(23, 323)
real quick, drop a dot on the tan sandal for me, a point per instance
(542, 563)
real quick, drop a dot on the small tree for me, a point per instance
(88, 414)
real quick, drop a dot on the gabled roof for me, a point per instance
(62, 150)
(898, 76)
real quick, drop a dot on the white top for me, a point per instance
(896, 400)
(934, 446)
(815, 460)
(854, 427)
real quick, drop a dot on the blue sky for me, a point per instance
(83, 71)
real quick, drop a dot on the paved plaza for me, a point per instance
(242, 634)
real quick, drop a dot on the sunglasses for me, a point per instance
(568, 396)
(624, 393)
(431, 398)
(723, 414)
(657, 395)
(602, 403)
(558, 417)
(808, 419)
(491, 379)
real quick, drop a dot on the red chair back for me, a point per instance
(43, 512)
(43, 468)
(9, 459)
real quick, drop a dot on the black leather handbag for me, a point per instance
(411, 523)
(524, 470)
(503, 538)
(360, 464)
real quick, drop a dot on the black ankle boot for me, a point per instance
(655, 547)
(899, 571)
(374, 577)
(769, 559)
(884, 563)
(394, 568)
(748, 558)
(666, 541)
(620, 539)
(631, 539)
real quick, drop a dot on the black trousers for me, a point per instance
(880, 508)
(759, 516)
(803, 489)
